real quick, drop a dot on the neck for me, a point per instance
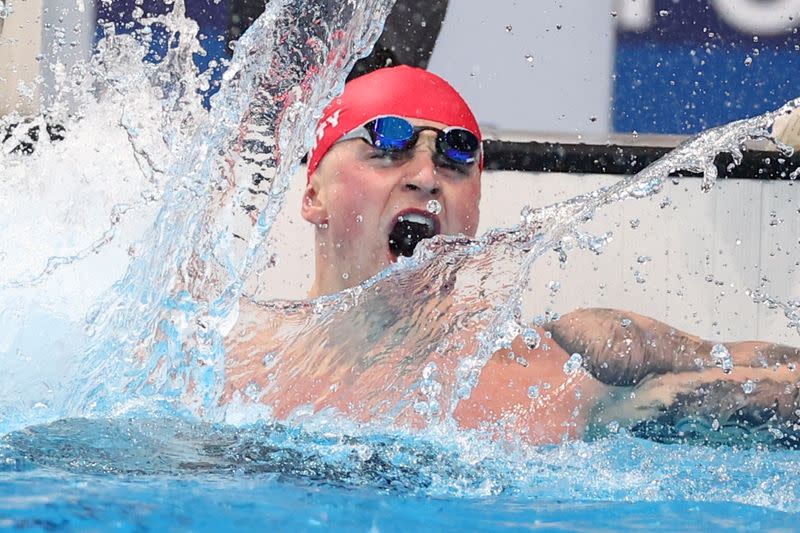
(328, 278)
(334, 273)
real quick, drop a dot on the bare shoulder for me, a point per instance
(534, 393)
(248, 345)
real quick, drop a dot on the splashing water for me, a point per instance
(189, 171)
(213, 183)
(185, 199)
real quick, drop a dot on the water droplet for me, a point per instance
(777, 433)
(643, 259)
(614, 14)
(421, 408)
(522, 361)
(359, 219)
(663, 13)
(722, 357)
(748, 61)
(531, 338)
(634, 222)
(529, 58)
(625, 322)
(345, 275)
(506, 335)
(252, 391)
(429, 370)
(774, 219)
(509, 28)
(748, 386)
(533, 392)
(528, 215)
(666, 202)
(613, 426)
(558, 26)
(434, 207)
(573, 363)
(593, 119)
(554, 286)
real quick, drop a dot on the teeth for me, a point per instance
(408, 231)
(417, 218)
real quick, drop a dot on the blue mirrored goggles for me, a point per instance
(396, 134)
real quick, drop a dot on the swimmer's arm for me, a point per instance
(623, 348)
(745, 399)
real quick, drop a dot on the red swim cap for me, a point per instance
(403, 91)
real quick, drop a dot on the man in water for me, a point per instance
(397, 160)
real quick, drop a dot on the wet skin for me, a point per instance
(354, 199)
(356, 194)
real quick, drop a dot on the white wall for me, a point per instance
(20, 42)
(567, 83)
(725, 236)
(59, 32)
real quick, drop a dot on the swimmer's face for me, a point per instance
(357, 194)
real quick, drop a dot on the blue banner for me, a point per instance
(686, 65)
(212, 16)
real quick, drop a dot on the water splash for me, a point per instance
(190, 171)
(186, 228)
(214, 182)
(617, 469)
(387, 349)
(283, 71)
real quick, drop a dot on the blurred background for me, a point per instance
(586, 67)
(635, 73)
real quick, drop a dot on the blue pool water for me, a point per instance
(171, 475)
(47, 501)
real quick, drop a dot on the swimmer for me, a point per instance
(398, 159)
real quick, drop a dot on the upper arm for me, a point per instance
(527, 392)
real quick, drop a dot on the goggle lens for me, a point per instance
(391, 133)
(458, 144)
(396, 134)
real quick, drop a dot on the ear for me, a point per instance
(313, 208)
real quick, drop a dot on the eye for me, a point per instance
(389, 155)
(446, 163)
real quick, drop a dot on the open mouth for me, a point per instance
(409, 229)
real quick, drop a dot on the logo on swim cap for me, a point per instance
(403, 91)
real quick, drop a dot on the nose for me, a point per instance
(421, 174)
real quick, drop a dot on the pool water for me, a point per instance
(47, 500)
(172, 475)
